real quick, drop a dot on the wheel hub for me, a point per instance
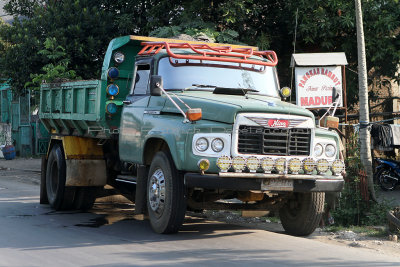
(156, 192)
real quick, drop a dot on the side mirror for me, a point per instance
(156, 83)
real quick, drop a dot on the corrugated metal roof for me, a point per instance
(319, 59)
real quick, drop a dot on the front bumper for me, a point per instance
(257, 181)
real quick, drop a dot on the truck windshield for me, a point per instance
(206, 75)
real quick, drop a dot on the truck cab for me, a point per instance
(192, 126)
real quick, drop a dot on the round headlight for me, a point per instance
(294, 166)
(330, 150)
(286, 92)
(201, 144)
(318, 150)
(253, 164)
(224, 163)
(111, 108)
(280, 165)
(337, 167)
(238, 164)
(267, 164)
(112, 89)
(119, 57)
(217, 145)
(322, 166)
(308, 165)
(113, 73)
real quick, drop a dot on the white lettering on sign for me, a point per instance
(314, 86)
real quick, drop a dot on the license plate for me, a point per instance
(277, 184)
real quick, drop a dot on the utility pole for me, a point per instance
(365, 137)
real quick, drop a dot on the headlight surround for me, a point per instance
(267, 164)
(253, 164)
(330, 151)
(238, 164)
(217, 145)
(201, 144)
(318, 150)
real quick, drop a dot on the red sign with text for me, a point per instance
(278, 123)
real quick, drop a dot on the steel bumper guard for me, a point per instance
(265, 182)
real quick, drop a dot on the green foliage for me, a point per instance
(56, 70)
(352, 209)
(84, 28)
(22, 7)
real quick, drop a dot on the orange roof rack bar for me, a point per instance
(212, 53)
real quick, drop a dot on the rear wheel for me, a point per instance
(386, 179)
(302, 214)
(165, 195)
(60, 197)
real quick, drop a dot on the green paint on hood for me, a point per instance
(224, 108)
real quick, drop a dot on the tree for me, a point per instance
(365, 138)
(84, 27)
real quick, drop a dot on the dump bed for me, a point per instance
(81, 107)
(75, 108)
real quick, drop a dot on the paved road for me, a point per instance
(33, 235)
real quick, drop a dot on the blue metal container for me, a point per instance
(9, 152)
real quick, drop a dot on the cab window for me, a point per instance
(142, 79)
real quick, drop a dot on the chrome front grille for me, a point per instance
(274, 141)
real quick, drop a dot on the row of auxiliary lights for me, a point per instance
(113, 89)
(280, 165)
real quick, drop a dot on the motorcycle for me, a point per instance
(387, 174)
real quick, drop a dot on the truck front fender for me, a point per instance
(156, 143)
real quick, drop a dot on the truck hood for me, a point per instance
(224, 108)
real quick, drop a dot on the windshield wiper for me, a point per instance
(233, 91)
(203, 85)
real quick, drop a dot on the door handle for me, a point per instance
(127, 102)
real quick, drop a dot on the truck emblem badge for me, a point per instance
(278, 123)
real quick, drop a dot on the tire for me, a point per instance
(43, 192)
(59, 196)
(165, 198)
(384, 183)
(301, 216)
(85, 198)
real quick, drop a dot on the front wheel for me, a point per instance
(302, 213)
(387, 179)
(165, 195)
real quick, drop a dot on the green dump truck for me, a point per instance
(177, 126)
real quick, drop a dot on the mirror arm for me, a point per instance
(173, 102)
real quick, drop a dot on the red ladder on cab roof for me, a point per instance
(212, 53)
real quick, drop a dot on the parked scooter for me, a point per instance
(387, 174)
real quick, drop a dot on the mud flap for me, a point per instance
(141, 187)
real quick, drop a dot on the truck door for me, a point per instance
(130, 135)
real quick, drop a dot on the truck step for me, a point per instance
(126, 179)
